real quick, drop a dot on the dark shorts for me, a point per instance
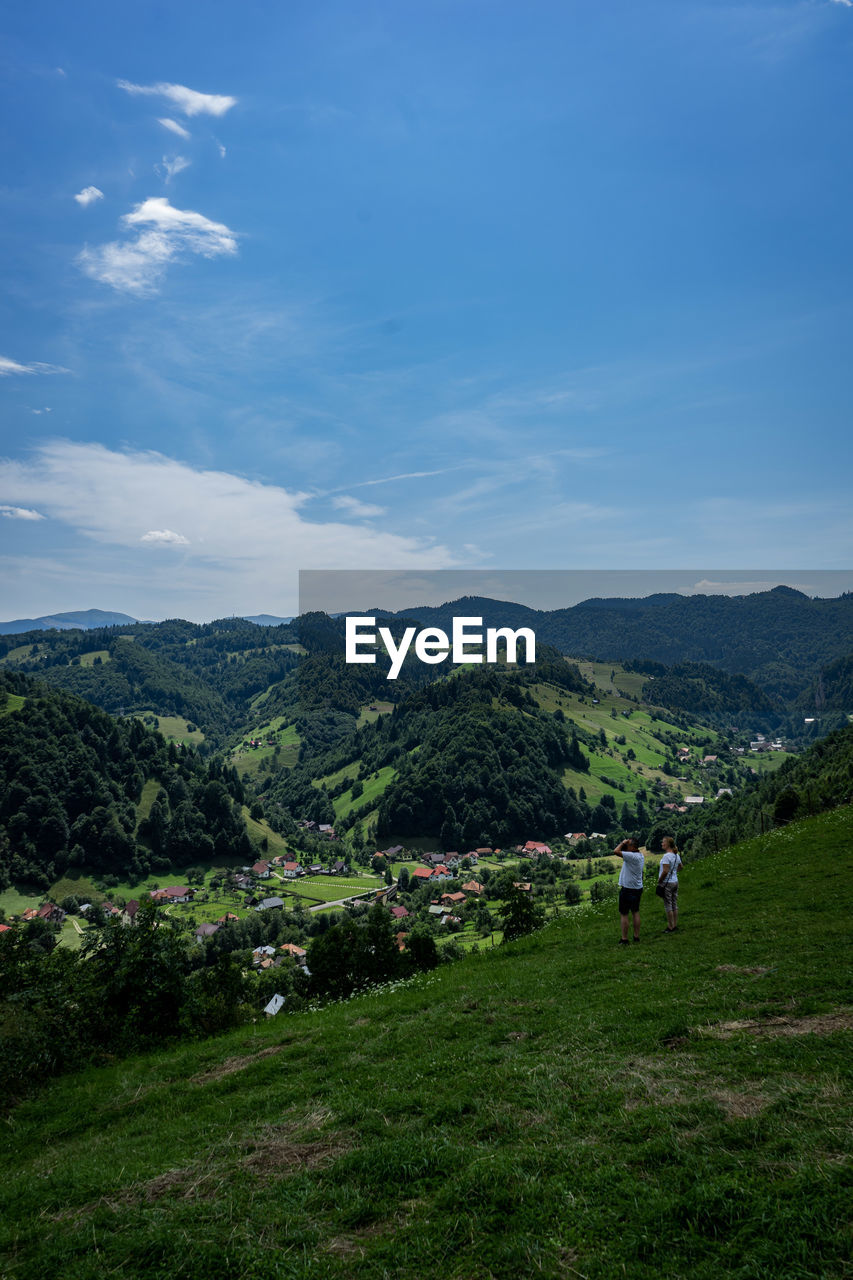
(629, 900)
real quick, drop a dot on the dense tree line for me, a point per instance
(71, 778)
(710, 694)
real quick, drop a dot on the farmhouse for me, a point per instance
(51, 913)
(270, 904)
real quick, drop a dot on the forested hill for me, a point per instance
(207, 674)
(79, 787)
(710, 694)
(472, 756)
(779, 639)
(829, 700)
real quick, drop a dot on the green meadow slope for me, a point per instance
(559, 1107)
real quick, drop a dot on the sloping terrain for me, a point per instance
(562, 1106)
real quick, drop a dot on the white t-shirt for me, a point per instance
(666, 863)
(631, 872)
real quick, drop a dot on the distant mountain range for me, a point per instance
(89, 619)
(82, 620)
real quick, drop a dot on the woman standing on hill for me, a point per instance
(670, 865)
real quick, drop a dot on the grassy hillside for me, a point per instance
(559, 1107)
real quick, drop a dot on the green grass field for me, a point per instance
(173, 728)
(373, 711)
(559, 1107)
(255, 760)
(374, 786)
(14, 702)
(88, 659)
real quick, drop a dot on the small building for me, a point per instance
(275, 1006)
(291, 949)
(473, 886)
(270, 904)
(206, 930)
(694, 799)
(261, 870)
(422, 874)
(52, 913)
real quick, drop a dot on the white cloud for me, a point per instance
(172, 165)
(88, 196)
(189, 101)
(9, 367)
(164, 234)
(245, 540)
(359, 510)
(848, 4)
(222, 151)
(165, 537)
(174, 127)
(20, 513)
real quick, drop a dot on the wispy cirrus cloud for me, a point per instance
(359, 510)
(9, 367)
(172, 165)
(20, 513)
(164, 234)
(189, 101)
(88, 196)
(174, 127)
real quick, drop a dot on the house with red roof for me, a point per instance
(50, 912)
(537, 846)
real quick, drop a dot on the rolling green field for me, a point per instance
(373, 711)
(256, 760)
(173, 728)
(559, 1107)
(88, 659)
(14, 702)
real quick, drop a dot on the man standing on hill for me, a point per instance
(630, 886)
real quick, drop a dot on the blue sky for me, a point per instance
(419, 285)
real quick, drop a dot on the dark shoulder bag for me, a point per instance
(659, 888)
